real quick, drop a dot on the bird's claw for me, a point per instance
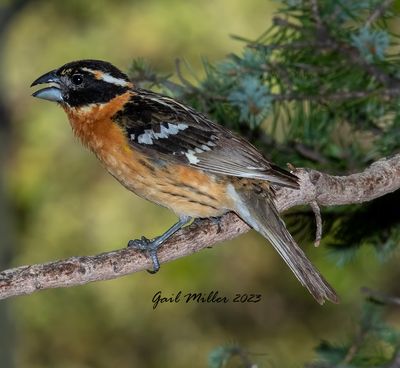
(140, 244)
(214, 220)
(150, 247)
(217, 221)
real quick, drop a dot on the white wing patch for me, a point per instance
(211, 144)
(155, 135)
(190, 155)
(146, 137)
(205, 147)
(165, 131)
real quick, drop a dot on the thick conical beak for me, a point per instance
(52, 93)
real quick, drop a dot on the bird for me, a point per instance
(168, 153)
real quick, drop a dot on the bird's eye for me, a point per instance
(77, 79)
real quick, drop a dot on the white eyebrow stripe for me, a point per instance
(117, 81)
(107, 77)
(88, 70)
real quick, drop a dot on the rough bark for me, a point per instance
(380, 178)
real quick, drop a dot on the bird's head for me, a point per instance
(82, 83)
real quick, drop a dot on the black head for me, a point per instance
(83, 82)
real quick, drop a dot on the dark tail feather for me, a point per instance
(260, 213)
(284, 177)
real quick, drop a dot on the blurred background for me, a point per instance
(56, 201)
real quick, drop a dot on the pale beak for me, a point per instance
(52, 93)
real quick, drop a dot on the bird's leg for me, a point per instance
(151, 246)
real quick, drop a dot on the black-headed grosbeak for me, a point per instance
(170, 154)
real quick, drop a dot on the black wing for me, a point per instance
(162, 125)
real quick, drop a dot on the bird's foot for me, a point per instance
(217, 221)
(150, 247)
(214, 220)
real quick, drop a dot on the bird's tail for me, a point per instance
(259, 211)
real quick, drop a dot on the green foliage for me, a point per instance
(223, 356)
(371, 44)
(252, 99)
(374, 344)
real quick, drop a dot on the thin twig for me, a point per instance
(381, 297)
(378, 12)
(318, 222)
(316, 14)
(318, 46)
(356, 345)
(336, 97)
(278, 21)
(309, 153)
(352, 54)
(339, 96)
(183, 80)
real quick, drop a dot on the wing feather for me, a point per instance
(160, 125)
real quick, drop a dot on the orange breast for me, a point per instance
(184, 190)
(93, 126)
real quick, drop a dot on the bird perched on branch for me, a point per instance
(170, 154)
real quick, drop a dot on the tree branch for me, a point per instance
(380, 178)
